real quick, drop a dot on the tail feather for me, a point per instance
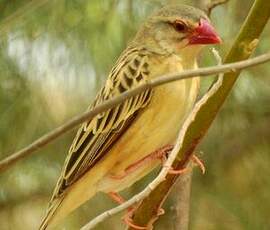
(50, 213)
(61, 206)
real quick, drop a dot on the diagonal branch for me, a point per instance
(52, 135)
(18, 14)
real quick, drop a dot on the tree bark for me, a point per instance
(181, 199)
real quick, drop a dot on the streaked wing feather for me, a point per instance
(97, 135)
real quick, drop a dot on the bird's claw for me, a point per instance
(194, 159)
(178, 171)
(129, 222)
(199, 163)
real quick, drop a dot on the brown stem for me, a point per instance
(181, 200)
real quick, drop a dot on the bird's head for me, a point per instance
(175, 27)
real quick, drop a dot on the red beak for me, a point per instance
(204, 34)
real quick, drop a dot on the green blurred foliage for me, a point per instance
(55, 55)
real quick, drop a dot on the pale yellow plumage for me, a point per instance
(117, 138)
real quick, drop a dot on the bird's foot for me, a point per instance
(127, 217)
(194, 159)
(198, 162)
(171, 170)
(129, 222)
(159, 154)
(178, 171)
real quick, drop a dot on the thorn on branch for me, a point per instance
(249, 47)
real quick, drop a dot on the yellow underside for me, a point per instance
(156, 126)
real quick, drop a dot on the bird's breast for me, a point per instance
(157, 125)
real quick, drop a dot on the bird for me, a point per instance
(121, 145)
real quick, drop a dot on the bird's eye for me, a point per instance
(179, 26)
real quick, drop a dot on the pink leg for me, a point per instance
(158, 154)
(127, 218)
(116, 197)
(194, 159)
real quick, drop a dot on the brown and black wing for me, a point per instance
(97, 135)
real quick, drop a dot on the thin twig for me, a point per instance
(22, 11)
(202, 72)
(181, 199)
(212, 4)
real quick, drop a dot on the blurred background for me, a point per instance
(55, 55)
